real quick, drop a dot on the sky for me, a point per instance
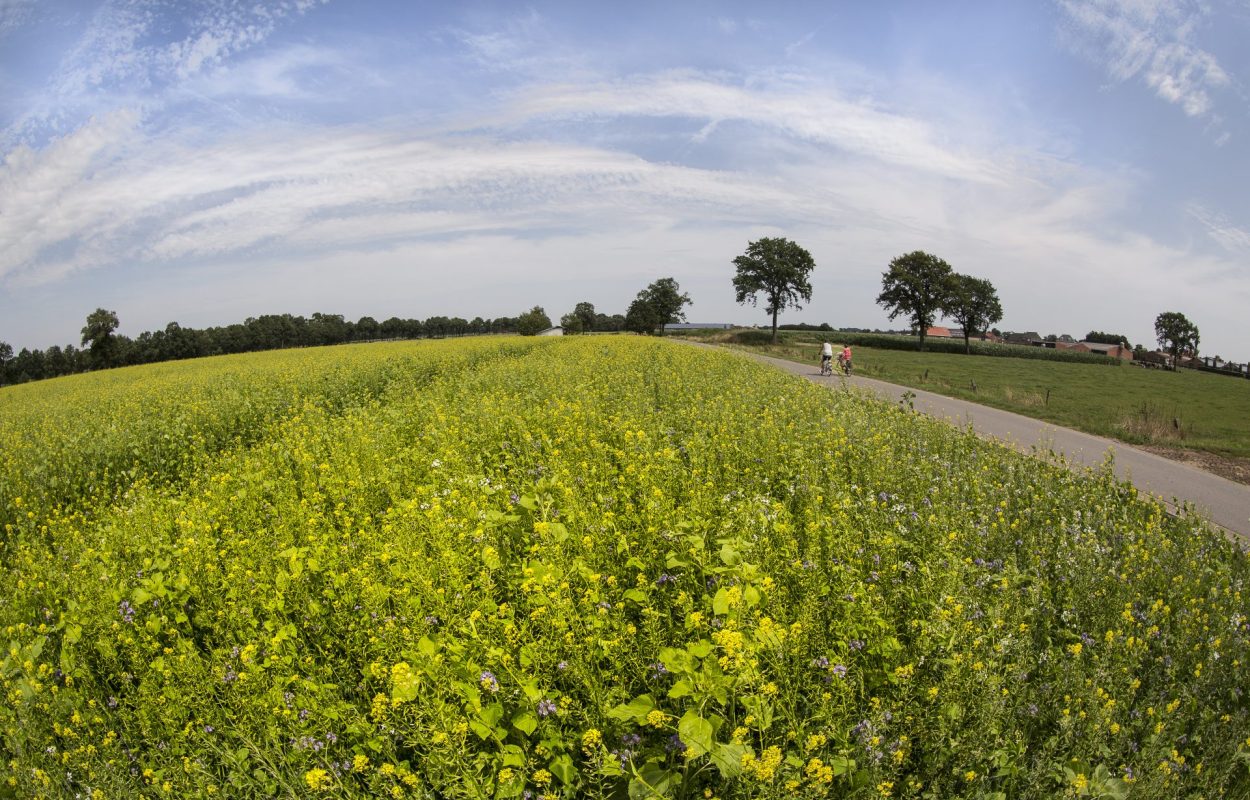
(206, 162)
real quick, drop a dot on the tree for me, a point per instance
(571, 323)
(973, 303)
(640, 317)
(533, 321)
(586, 313)
(664, 301)
(917, 285)
(366, 328)
(777, 269)
(1177, 335)
(1100, 337)
(6, 352)
(98, 333)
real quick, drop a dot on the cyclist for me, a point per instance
(826, 359)
(844, 359)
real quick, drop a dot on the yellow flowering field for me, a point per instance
(586, 567)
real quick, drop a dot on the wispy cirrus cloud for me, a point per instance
(14, 14)
(814, 113)
(123, 56)
(1219, 227)
(1154, 40)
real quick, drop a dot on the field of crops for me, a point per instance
(587, 567)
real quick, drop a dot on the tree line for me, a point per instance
(101, 347)
(917, 285)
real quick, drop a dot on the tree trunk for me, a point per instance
(774, 340)
(967, 347)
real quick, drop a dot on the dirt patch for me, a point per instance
(1231, 467)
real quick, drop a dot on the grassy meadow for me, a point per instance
(586, 567)
(1187, 409)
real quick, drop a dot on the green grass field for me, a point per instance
(1185, 409)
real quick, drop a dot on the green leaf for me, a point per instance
(513, 756)
(492, 713)
(140, 595)
(751, 596)
(636, 709)
(700, 649)
(532, 692)
(728, 759)
(558, 531)
(562, 767)
(525, 722)
(678, 661)
(696, 733)
(681, 689)
(653, 781)
(729, 556)
(636, 595)
(720, 603)
(427, 646)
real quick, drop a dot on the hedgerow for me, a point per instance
(932, 344)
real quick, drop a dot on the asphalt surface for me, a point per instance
(1221, 501)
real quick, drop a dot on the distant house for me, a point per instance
(556, 331)
(1159, 358)
(938, 332)
(692, 326)
(1114, 350)
(1028, 337)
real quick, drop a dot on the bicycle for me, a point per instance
(826, 366)
(846, 366)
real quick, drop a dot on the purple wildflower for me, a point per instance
(658, 670)
(675, 744)
(488, 681)
(127, 611)
(546, 707)
(665, 579)
(839, 670)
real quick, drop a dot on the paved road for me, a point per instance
(1224, 502)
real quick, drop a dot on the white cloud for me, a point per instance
(39, 191)
(1234, 239)
(815, 114)
(1151, 39)
(115, 61)
(14, 14)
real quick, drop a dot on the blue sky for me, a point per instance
(207, 162)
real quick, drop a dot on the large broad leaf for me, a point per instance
(728, 759)
(525, 722)
(562, 767)
(681, 689)
(696, 733)
(675, 660)
(652, 781)
(636, 709)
